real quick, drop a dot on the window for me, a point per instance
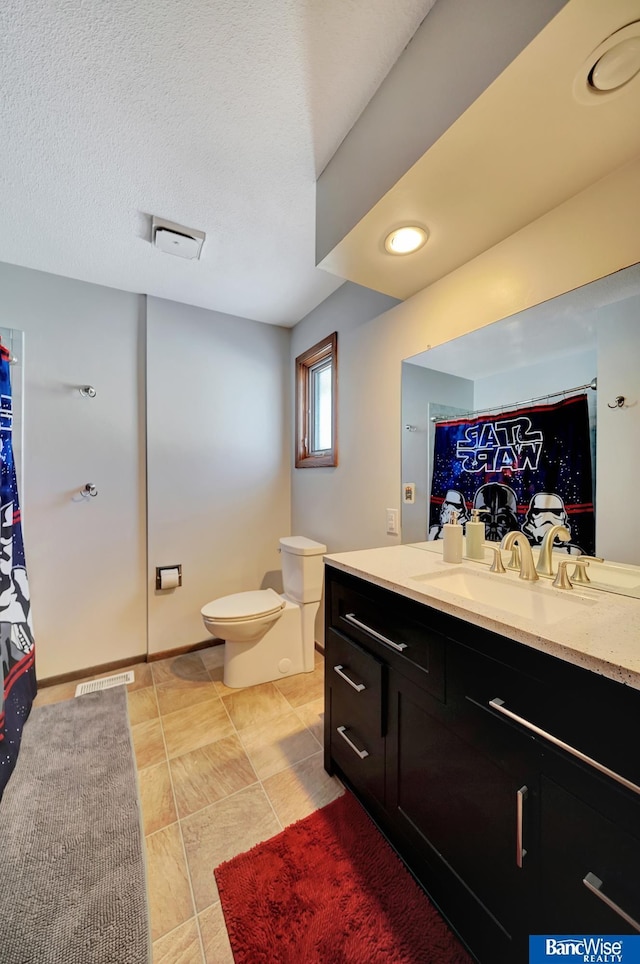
(316, 414)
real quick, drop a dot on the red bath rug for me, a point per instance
(330, 890)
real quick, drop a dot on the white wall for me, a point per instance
(337, 506)
(420, 387)
(557, 253)
(218, 450)
(618, 472)
(85, 558)
(531, 381)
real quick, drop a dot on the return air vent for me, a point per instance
(104, 684)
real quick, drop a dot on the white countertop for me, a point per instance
(602, 635)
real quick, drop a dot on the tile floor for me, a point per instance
(220, 770)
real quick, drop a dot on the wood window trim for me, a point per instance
(327, 347)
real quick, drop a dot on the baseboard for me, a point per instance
(131, 660)
(182, 650)
(91, 671)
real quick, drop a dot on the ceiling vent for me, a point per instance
(610, 68)
(176, 239)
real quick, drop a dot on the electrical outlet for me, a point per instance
(392, 522)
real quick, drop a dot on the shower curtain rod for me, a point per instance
(593, 385)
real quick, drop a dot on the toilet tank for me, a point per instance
(302, 568)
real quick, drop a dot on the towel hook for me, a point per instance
(89, 490)
(619, 402)
(87, 391)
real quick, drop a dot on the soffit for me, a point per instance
(523, 147)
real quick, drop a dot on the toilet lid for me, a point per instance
(244, 605)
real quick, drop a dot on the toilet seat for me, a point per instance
(244, 606)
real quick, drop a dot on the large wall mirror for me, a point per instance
(591, 333)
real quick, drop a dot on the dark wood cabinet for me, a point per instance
(463, 813)
(590, 862)
(503, 776)
(356, 711)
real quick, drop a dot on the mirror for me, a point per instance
(590, 333)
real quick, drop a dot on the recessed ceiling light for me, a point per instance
(406, 240)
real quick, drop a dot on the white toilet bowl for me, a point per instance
(244, 616)
(267, 635)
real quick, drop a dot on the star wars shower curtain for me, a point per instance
(527, 469)
(17, 654)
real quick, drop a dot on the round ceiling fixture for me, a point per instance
(406, 240)
(611, 66)
(617, 66)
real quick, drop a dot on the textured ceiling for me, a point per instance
(218, 115)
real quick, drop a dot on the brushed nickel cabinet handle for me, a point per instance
(594, 884)
(383, 639)
(498, 704)
(521, 853)
(358, 687)
(361, 753)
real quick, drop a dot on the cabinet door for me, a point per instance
(461, 808)
(591, 863)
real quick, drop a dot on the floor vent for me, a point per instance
(104, 684)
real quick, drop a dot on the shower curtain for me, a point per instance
(17, 653)
(525, 469)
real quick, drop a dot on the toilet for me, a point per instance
(269, 636)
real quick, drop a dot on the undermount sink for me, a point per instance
(539, 602)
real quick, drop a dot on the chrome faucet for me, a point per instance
(545, 562)
(527, 566)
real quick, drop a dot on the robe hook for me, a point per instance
(619, 402)
(87, 391)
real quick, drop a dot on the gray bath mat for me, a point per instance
(73, 880)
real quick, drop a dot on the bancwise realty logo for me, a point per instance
(618, 949)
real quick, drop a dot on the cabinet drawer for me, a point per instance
(353, 747)
(355, 678)
(562, 707)
(392, 628)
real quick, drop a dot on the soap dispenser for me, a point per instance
(475, 536)
(452, 535)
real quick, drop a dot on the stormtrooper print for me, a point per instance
(453, 502)
(547, 509)
(17, 650)
(16, 634)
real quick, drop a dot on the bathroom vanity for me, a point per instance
(493, 742)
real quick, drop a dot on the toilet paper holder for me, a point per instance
(169, 577)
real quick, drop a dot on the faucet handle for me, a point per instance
(497, 565)
(562, 580)
(580, 572)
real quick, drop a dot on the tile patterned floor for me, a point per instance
(220, 770)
